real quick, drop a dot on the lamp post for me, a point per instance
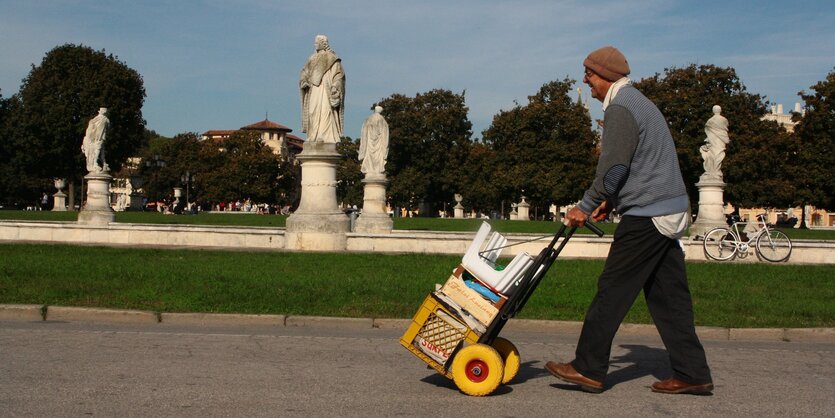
(136, 181)
(187, 179)
(155, 163)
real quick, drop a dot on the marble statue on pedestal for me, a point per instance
(318, 223)
(374, 149)
(374, 144)
(711, 184)
(713, 151)
(322, 85)
(458, 210)
(92, 145)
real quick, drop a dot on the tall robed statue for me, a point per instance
(713, 151)
(322, 85)
(374, 144)
(92, 145)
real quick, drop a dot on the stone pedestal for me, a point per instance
(458, 211)
(711, 207)
(318, 224)
(136, 202)
(523, 209)
(59, 203)
(178, 193)
(374, 218)
(97, 210)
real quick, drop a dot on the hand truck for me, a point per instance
(456, 330)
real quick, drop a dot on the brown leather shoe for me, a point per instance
(566, 372)
(675, 386)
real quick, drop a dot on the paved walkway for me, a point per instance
(347, 369)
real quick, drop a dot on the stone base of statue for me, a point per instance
(458, 211)
(711, 206)
(523, 210)
(97, 210)
(374, 218)
(59, 203)
(178, 193)
(318, 224)
(136, 202)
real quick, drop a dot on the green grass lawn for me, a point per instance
(375, 285)
(418, 224)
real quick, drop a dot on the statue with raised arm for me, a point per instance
(713, 151)
(92, 145)
(322, 86)
(374, 144)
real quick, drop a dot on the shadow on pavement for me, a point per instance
(528, 371)
(637, 362)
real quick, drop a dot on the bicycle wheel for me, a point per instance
(774, 246)
(720, 244)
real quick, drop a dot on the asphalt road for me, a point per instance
(76, 369)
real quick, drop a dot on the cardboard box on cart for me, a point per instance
(468, 299)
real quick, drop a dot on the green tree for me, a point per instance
(288, 186)
(478, 186)
(17, 186)
(160, 166)
(428, 139)
(237, 168)
(59, 97)
(815, 151)
(756, 158)
(349, 187)
(546, 149)
(8, 169)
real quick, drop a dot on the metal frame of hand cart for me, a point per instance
(446, 336)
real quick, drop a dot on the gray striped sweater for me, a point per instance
(638, 169)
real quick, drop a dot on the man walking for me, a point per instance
(639, 175)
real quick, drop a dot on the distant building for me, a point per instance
(784, 119)
(274, 135)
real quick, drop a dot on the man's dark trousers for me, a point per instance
(642, 258)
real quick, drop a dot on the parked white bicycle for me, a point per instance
(726, 243)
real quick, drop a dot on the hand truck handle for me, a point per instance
(594, 228)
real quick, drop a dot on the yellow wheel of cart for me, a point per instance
(477, 370)
(510, 357)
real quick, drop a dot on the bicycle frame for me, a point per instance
(744, 246)
(724, 243)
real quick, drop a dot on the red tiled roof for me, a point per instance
(294, 140)
(267, 125)
(219, 132)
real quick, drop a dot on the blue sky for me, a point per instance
(223, 64)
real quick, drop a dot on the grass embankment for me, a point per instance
(418, 224)
(374, 285)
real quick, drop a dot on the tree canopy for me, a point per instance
(349, 189)
(49, 115)
(815, 151)
(544, 150)
(236, 168)
(758, 151)
(429, 138)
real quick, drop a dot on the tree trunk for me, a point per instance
(71, 193)
(803, 217)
